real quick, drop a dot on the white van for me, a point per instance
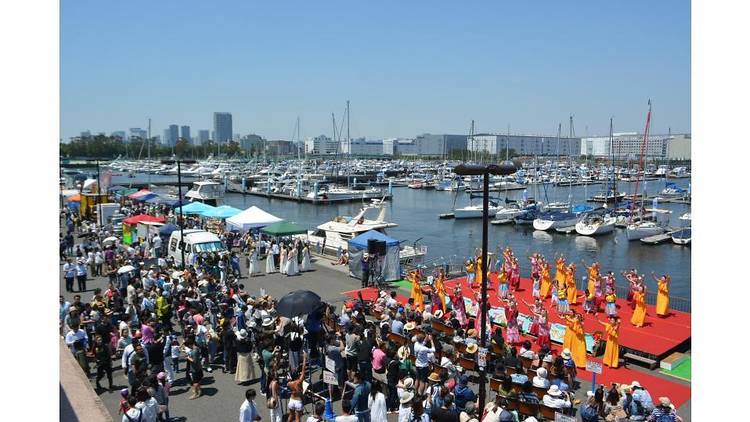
(196, 242)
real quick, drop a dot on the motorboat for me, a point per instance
(641, 229)
(607, 197)
(208, 192)
(336, 234)
(595, 224)
(686, 218)
(474, 211)
(682, 236)
(554, 219)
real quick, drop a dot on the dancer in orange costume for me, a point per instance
(570, 281)
(560, 268)
(440, 290)
(577, 339)
(639, 299)
(662, 297)
(546, 280)
(593, 273)
(416, 291)
(612, 350)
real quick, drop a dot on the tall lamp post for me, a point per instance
(180, 201)
(504, 168)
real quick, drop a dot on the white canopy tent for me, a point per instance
(251, 218)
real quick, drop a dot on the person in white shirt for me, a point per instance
(423, 348)
(133, 414)
(248, 410)
(377, 405)
(76, 334)
(346, 410)
(156, 242)
(540, 380)
(147, 404)
(556, 399)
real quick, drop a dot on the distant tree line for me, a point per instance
(102, 146)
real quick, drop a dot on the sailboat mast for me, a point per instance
(643, 150)
(614, 175)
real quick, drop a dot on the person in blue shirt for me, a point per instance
(463, 393)
(360, 398)
(397, 326)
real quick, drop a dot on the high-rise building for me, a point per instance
(203, 136)
(137, 133)
(165, 139)
(185, 133)
(119, 135)
(222, 127)
(174, 134)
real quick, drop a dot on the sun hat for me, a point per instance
(635, 384)
(408, 383)
(434, 377)
(384, 316)
(472, 348)
(664, 401)
(407, 397)
(383, 293)
(445, 362)
(554, 390)
(267, 321)
(409, 326)
(566, 354)
(541, 372)
(531, 419)
(471, 333)
(438, 314)
(548, 358)
(242, 334)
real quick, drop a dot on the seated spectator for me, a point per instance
(556, 399)
(664, 412)
(526, 351)
(642, 395)
(633, 408)
(463, 393)
(540, 380)
(496, 411)
(505, 390)
(527, 394)
(612, 407)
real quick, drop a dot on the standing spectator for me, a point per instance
(360, 397)
(69, 272)
(103, 355)
(81, 274)
(365, 269)
(248, 410)
(377, 405)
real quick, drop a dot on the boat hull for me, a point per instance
(639, 232)
(596, 229)
(542, 224)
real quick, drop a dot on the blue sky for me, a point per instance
(407, 67)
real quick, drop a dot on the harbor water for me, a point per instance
(416, 212)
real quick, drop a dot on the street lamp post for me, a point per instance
(179, 201)
(504, 168)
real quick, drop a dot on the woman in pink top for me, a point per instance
(378, 359)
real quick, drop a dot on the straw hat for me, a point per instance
(554, 391)
(434, 377)
(407, 397)
(541, 372)
(409, 326)
(566, 354)
(472, 348)
(408, 383)
(471, 333)
(268, 321)
(664, 401)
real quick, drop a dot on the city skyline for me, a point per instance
(406, 68)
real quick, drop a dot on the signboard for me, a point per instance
(330, 365)
(497, 316)
(482, 358)
(594, 367)
(557, 332)
(559, 417)
(330, 378)
(524, 323)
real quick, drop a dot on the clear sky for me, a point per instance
(407, 67)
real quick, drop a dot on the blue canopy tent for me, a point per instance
(193, 208)
(153, 199)
(222, 212)
(389, 265)
(146, 198)
(167, 229)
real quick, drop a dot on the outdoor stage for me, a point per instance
(658, 338)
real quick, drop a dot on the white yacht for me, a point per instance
(208, 192)
(474, 211)
(335, 234)
(594, 224)
(641, 229)
(554, 219)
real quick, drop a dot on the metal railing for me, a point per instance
(676, 303)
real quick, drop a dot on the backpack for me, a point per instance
(284, 391)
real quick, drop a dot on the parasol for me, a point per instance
(298, 302)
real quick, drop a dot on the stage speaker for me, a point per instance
(376, 247)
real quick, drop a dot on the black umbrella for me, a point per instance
(298, 302)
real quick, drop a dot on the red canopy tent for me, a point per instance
(143, 218)
(142, 192)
